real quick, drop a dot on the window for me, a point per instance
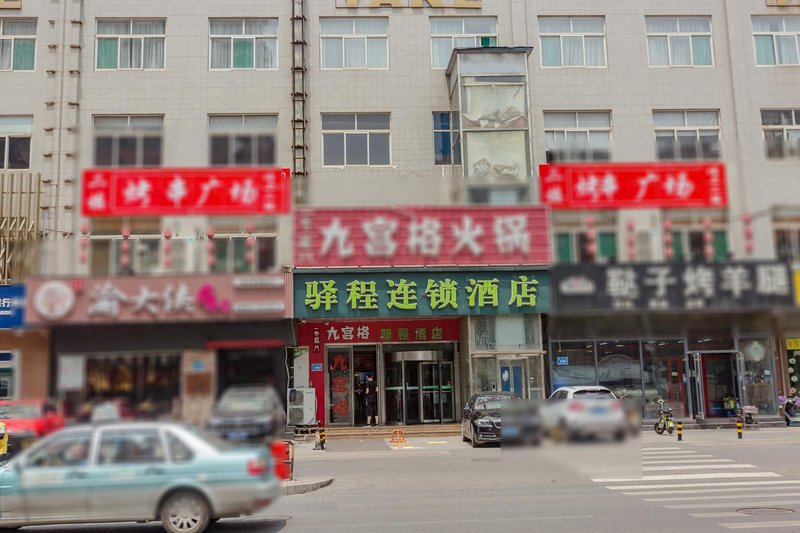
(446, 141)
(689, 246)
(17, 44)
(8, 376)
(679, 41)
(786, 244)
(131, 44)
(68, 449)
(450, 33)
(243, 44)
(130, 447)
(232, 254)
(577, 136)
(128, 140)
(687, 135)
(777, 40)
(572, 248)
(355, 139)
(15, 142)
(179, 452)
(573, 41)
(242, 140)
(354, 43)
(781, 132)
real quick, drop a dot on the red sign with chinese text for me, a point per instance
(633, 185)
(185, 191)
(418, 236)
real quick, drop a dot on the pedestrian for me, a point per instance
(371, 396)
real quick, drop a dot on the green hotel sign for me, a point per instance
(420, 293)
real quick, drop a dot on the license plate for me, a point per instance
(598, 410)
(237, 435)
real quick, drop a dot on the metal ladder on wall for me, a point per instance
(299, 96)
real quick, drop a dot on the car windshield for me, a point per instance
(492, 403)
(241, 400)
(8, 411)
(593, 395)
(210, 438)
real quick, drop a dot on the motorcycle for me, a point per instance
(791, 409)
(665, 421)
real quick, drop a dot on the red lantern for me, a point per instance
(167, 247)
(668, 239)
(708, 237)
(83, 257)
(591, 249)
(631, 225)
(84, 243)
(167, 261)
(707, 223)
(251, 241)
(747, 218)
(168, 234)
(210, 247)
(250, 227)
(85, 228)
(125, 246)
(709, 250)
(667, 225)
(126, 232)
(589, 220)
(669, 253)
(632, 253)
(124, 260)
(748, 247)
(249, 256)
(210, 232)
(211, 260)
(77, 285)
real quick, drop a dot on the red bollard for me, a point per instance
(281, 455)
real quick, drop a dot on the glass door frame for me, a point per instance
(512, 361)
(351, 377)
(696, 362)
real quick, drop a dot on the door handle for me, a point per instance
(76, 474)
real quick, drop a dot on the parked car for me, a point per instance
(28, 420)
(139, 471)
(248, 413)
(481, 422)
(585, 412)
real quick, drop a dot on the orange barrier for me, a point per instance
(283, 454)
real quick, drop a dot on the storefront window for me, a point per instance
(619, 368)
(484, 374)
(711, 333)
(759, 379)
(6, 375)
(339, 385)
(664, 376)
(573, 364)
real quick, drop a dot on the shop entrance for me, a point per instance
(716, 384)
(419, 388)
(512, 377)
(348, 369)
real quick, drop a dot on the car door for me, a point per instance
(53, 476)
(465, 416)
(129, 475)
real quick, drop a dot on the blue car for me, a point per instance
(122, 472)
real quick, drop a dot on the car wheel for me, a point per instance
(463, 436)
(473, 441)
(185, 512)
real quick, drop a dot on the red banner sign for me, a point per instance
(632, 185)
(415, 236)
(185, 191)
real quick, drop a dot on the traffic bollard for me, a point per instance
(680, 431)
(321, 435)
(739, 428)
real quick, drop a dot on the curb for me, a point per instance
(301, 487)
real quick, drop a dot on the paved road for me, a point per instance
(441, 485)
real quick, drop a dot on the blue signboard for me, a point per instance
(12, 306)
(316, 367)
(562, 361)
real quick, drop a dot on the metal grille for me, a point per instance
(19, 225)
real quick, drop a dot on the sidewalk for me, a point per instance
(298, 486)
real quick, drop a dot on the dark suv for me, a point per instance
(248, 414)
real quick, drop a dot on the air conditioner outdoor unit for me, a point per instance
(301, 407)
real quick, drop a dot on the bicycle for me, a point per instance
(665, 421)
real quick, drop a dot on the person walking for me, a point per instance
(371, 397)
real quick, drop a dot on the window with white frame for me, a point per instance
(577, 135)
(356, 139)
(446, 142)
(354, 43)
(243, 44)
(15, 142)
(133, 44)
(777, 40)
(687, 135)
(781, 132)
(573, 247)
(8, 375)
(242, 140)
(17, 44)
(448, 33)
(573, 41)
(679, 41)
(128, 140)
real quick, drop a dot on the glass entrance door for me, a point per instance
(430, 385)
(720, 384)
(340, 385)
(447, 392)
(412, 393)
(512, 377)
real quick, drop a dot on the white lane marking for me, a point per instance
(694, 485)
(726, 505)
(707, 491)
(710, 475)
(671, 452)
(659, 449)
(694, 467)
(717, 515)
(720, 497)
(762, 525)
(692, 460)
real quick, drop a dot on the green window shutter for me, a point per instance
(24, 54)
(564, 248)
(720, 245)
(607, 245)
(488, 41)
(107, 53)
(677, 246)
(243, 53)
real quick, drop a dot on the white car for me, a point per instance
(585, 411)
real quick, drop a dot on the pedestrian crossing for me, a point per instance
(735, 495)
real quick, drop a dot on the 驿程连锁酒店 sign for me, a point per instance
(421, 293)
(672, 287)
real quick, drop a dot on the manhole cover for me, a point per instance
(485, 460)
(764, 510)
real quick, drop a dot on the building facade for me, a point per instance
(366, 104)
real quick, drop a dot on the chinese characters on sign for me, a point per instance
(165, 191)
(316, 336)
(664, 287)
(12, 306)
(610, 185)
(413, 236)
(420, 293)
